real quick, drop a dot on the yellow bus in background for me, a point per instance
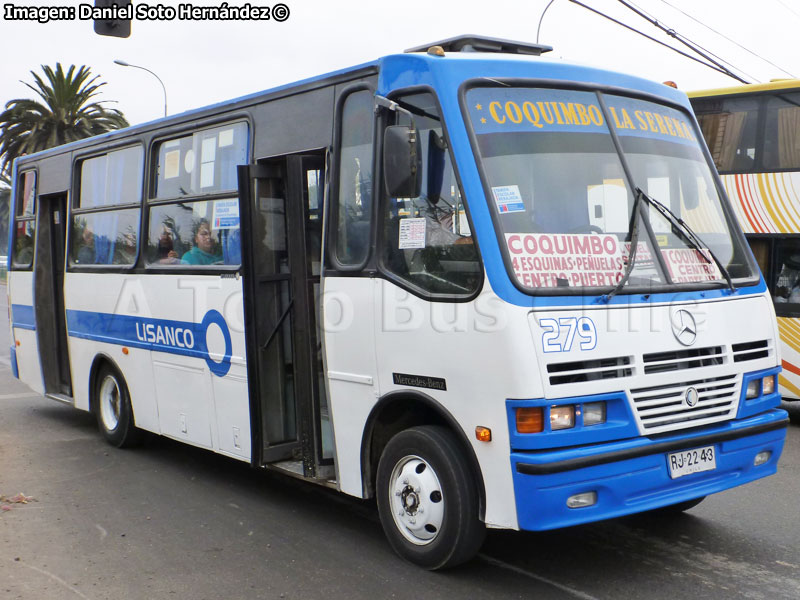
(753, 134)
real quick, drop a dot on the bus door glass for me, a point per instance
(49, 299)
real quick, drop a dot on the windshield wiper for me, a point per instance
(688, 234)
(680, 226)
(633, 236)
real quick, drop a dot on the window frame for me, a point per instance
(151, 185)
(762, 98)
(773, 240)
(383, 199)
(603, 90)
(74, 210)
(15, 218)
(332, 211)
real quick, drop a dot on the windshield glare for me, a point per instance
(563, 201)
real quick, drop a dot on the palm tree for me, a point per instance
(66, 114)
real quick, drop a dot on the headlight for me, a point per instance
(562, 417)
(753, 389)
(594, 413)
(769, 385)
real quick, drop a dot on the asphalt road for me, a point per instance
(170, 521)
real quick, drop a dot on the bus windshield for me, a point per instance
(557, 184)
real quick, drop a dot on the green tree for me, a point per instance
(65, 111)
(5, 195)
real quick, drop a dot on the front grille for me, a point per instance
(663, 408)
(661, 362)
(590, 370)
(750, 351)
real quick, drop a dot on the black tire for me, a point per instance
(112, 407)
(675, 509)
(423, 474)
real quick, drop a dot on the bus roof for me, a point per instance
(748, 88)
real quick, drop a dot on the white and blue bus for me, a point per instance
(490, 289)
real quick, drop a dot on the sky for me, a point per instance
(202, 63)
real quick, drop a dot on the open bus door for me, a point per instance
(49, 296)
(281, 228)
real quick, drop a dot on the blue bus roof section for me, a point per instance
(447, 74)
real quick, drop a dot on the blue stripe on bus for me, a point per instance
(22, 317)
(183, 338)
(14, 366)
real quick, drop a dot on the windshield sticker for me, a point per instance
(643, 262)
(226, 214)
(172, 161)
(495, 110)
(687, 265)
(565, 260)
(508, 199)
(412, 233)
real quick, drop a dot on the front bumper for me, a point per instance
(632, 475)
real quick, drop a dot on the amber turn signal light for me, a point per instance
(530, 419)
(483, 434)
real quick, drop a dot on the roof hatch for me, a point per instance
(478, 43)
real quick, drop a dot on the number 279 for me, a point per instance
(559, 334)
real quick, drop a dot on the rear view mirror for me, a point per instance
(402, 161)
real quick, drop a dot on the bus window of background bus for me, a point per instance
(782, 132)
(24, 221)
(105, 216)
(427, 240)
(730, 127)
(786, 291)
(353, 215)
(185, 229)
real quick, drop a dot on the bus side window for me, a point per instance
(353, 213)
(24, 221)
(105, 216)
(427, 240)
(787, 266)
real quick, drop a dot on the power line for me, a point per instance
(722, 35)
(710, 65)
(790, 9)
(697, 48)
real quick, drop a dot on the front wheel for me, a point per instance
(112, 404)
(427, 499)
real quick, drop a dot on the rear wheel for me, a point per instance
(112, 404)
(427, 499)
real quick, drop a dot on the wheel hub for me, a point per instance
(416, 498)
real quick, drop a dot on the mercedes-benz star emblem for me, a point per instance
(691, 398)
(684, 327)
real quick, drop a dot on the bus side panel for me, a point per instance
(23, 329)
(769, 203)
(483, 361)
(232, 412)
(178, 342)
(200, 377)
(789, 379)
(100, 294)
(352, 374)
